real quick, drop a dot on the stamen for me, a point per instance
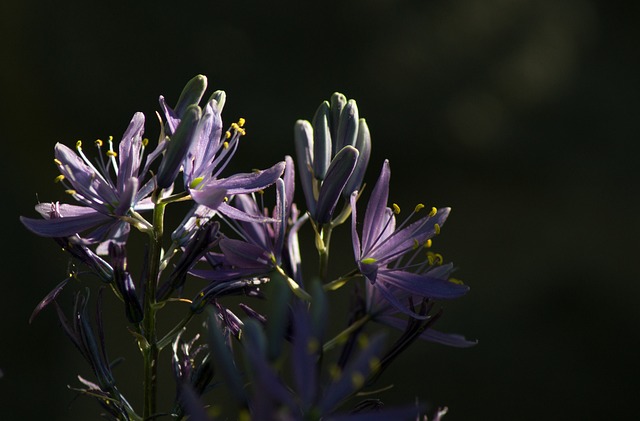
(357, 379)
(436, 227)
(57, 161)
(225, 145)
(374, 363)
(416, 244)
(145, 142)
(428, 243)
(396, 209)
(241, 122)
(418, 207)
(433, 212)
(79, 145)
(227, 134)
(99, 143)
(112, 154)
(70, 191)
(58, 178)
(456, 281)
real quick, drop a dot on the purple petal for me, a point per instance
(62, 210)
(363, 145)
(211, 196)
(422, 285)
(129, 152)
(63, 227)
(355, 240)
(48, 299)
(374, 218)
(251, 182)
(243, 255)
(239, 215)
(321, 141)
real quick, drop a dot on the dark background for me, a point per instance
(520, 115)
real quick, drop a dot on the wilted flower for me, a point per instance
(385, 257)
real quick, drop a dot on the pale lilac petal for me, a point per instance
(211, 196)
(244, 255)
(251, 182)
(129, 150)
(374, 218)
(239, 215)
(63, 227)
(422, 285)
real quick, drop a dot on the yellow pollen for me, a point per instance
(374, 363)
(357, 379)
(58, 178)
(312, 346)
(145, 142)
(430, 258)
(433, 212)
(112, 154)
(418, 208)
(99, 143)
(396, 209)
(260, 192)
(110, 138)
(368, 260)
(70, 191)
(241, 122)
(225, 200)
(334, 372)
(438, 259)
(428, 243)
(436, 227)
(57, 161)
(456, 281)
(227, 134)
(79, 144)
(225, 145)
(416, 244)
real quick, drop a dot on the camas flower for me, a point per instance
(380, 255)
(208, 150)
(261, 244)
(106, 202)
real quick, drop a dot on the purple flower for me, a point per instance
(386, 254)
(106, 201)
(260, 247)
(208, 150)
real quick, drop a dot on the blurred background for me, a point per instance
(520, 115)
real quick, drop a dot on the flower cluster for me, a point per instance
(241, 237)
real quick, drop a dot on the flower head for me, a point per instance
(108, 191)
(385, 254)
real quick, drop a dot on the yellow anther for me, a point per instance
(438, 259)
(110, 138)
(312, 346)
(226, 199)
(58, 178)
(418, 208)
(396, 208)
(430, 258)
(235, 126)
(456, 281)
(227, 134)
(112, 154)
(416, 244)
(334, 372)
(241, 122)
(374, 363)
(57, 161)
(357, 379)
(436, 227)
(225, 145)
(433, 212)
(70, 191)
(368, 260)
(428, 243)
(79, 144)
(99, 143)
(260, 192)
(241, 131)
(363, 341)
(145, 142)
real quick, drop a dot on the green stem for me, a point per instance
(338, 283)
(342, 336)
(151, 350)
(324, 252)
